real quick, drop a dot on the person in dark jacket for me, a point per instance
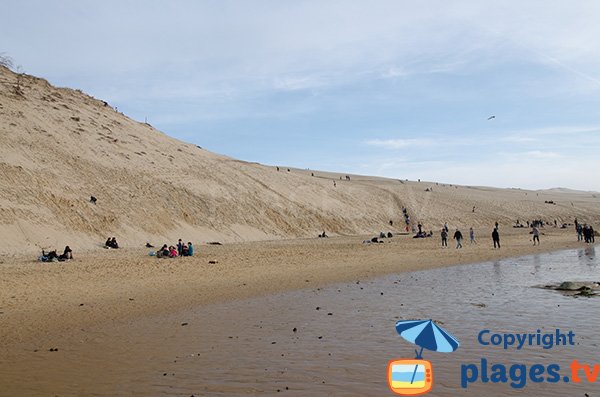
(458, 237)
(496, 237)
(444, 236)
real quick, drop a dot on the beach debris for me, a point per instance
(131, 299)
(295, 329)
(330, 314)
(212, 262)
(318, 308)
(184, 324)
(479, 304)
(214, 243)
(53, 349)
(81, 304)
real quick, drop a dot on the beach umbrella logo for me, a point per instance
(411, 377)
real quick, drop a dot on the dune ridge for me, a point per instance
(59, 146)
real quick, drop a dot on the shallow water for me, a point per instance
(249, 347)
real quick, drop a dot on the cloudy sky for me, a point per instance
(402, 89)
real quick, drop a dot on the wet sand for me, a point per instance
(117, 315)
(39, 299)
(344, 336)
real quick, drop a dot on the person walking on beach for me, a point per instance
(444, 235)
(496, 238)
(472, 236)
(458, 237)
(536, 235)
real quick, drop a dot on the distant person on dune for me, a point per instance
(180, 247)
(472, 236)
(444, 235)
(496, 238)
(67, 254)
(163, 252)
(458, 237)
(536, 235)
(190, 249)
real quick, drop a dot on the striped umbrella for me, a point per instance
(426, 334)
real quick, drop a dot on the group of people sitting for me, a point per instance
(174, 251)
(111, 243)
(52, 256)
(378, 239)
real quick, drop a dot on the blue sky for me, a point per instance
(392, 88)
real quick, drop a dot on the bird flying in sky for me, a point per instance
(491, 117)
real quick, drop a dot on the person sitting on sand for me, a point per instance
(107, 243)
(113, 243)
(163, 252)
(67, 254)
(172, 252)
(51, 256)
(184, 250)
(190, 249)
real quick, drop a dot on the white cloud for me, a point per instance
(399, 143)
(538, 154)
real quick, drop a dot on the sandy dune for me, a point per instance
(60, 146)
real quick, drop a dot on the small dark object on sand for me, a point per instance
(318, 308)
(184, 324)
(295, 329)
(214, 243)
(148, 245)
(212, 262)
(53, 349)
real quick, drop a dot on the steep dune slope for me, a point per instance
(60, 146)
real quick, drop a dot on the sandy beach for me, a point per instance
(153, 188)
(39, 300)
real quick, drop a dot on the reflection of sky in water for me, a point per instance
(464, 300)
(249, 347)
